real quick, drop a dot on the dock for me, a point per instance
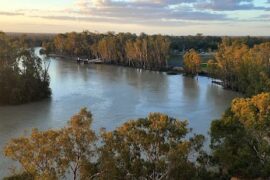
(90, 61)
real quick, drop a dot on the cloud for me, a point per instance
(11, 13)
(151, 22)
(138, 11)
(228, 5)
(263, 17)
(175, 13)
(99, 3)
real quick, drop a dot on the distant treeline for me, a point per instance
(32, 39)
(143, 51)
(210, 43)
(198, 42)
(242, 63)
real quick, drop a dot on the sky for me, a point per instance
(171, 17)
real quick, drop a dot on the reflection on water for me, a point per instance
(114, 95)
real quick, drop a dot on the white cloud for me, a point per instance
(151, 13)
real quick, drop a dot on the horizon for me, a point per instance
(167, 17)
(203, 35)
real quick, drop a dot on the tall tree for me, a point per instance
(52, 154)
(144, 51)
(23, 76)
(192, 61)
(240, 139)
(152, 148)
(242, 68)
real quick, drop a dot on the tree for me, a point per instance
(144, 51)
(23, 76)
(38, 154)
(151, 148)
(240, 139)
(51, 154)
(192, 62)
(242, 68)
(77, 143)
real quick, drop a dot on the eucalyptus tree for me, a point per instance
(242, 68)
(240, 139)
(192, 62)
(144, 51)
(155, 147)
(53, 154)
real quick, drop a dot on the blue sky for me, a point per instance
(173, 17)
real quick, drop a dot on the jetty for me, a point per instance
(89, 61)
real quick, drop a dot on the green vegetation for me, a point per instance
(155, 147)
(203, 43)
(32, 39)
(50, 154)
(242, 68)
(20, 176)
(23, 76)
(238, 66)
(154, 52)
(240, 139)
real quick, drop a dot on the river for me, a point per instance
(114, 95)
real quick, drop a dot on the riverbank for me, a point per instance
(172, 70)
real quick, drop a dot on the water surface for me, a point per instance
(114, 95)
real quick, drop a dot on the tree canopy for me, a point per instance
(144, 51)
(23, 76)
(156, 147)
(242, 68)
(192, 62)
(52, 154)
(240, 139)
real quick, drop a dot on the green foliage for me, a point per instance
(152, 148)
(198, 42)
(242, 68)
(53, 153)
(212, 68)
(209, 43)
(155, 147)
(23, 76)
(21, 176)
(240, 139)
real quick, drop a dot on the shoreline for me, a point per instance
(174, 70)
